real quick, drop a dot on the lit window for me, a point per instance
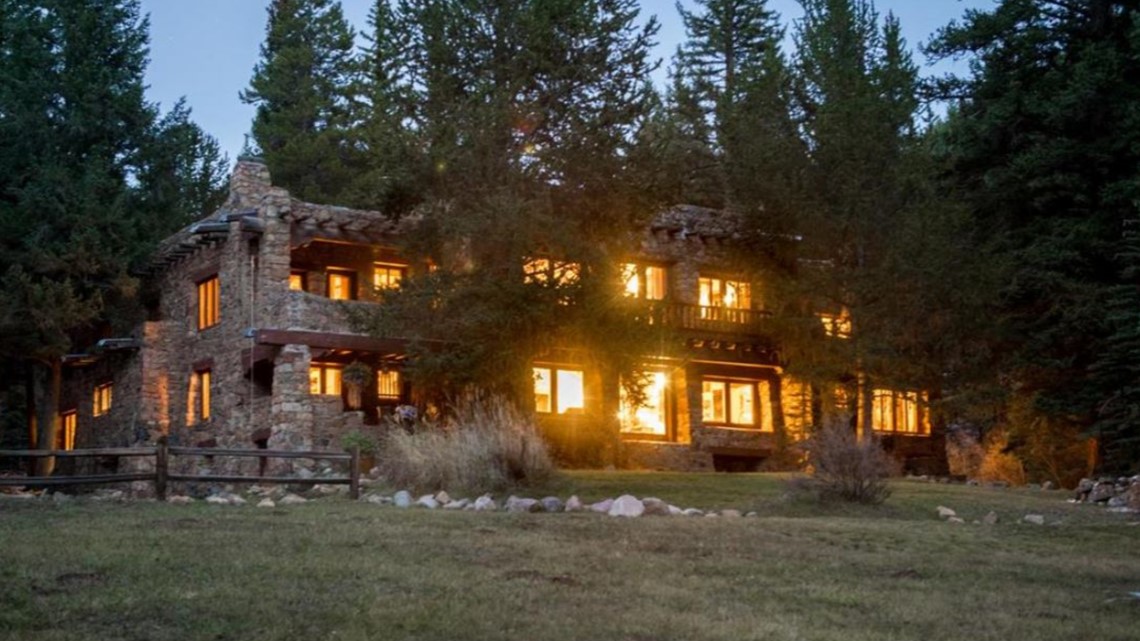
(325, 378)
(102, 400)
(202, 384)
(554, 273)
(342, 285)
(646, 281)
(730, 403)
(795, 401)
(900, 412)
(563, 390)
(208, 299)
(297, 281)
(388, 385)
(650, 417)
(65, 440)
(388, 276)
(722, 299)
(836, 325)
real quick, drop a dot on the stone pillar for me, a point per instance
(291, 411)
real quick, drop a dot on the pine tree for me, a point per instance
(302, 88)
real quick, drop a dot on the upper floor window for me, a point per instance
(723, 292)
(299, 280)
(341, 284)
(555, 273)
(836, 325)
(209, 310)
(388, 385)
(101, 401)
(388, 275)
(649, 416)
(732, 403)
(65, 440)
(559, 391)
(325, 378)
(895, 411)
(644, 281)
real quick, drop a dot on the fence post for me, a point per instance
(161, 457)
(354, 474)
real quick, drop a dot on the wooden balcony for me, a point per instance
(724, 320)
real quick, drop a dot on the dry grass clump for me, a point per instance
(484, 447)
(845, 468)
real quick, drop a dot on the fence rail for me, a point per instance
(162, 454)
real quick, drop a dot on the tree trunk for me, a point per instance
(49, 415)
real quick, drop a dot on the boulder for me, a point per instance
(732, 514)
(991, 518)
(442, 497)
(655, 506)
(486, 504)
(945, 512)
(1036, 519)
(1102, 492)
(402, 499)
(236, 500)
(628, 506)
(428, 501)
(551, 504)
(603, 506)
(955, 519)
(266, 503)
(292, 499)
(692, 511)
(751, 515)
(522, 504)
(217, 499)
(1048, 485)
(574, 504)
(675, 511)
(457, 504)
(1084, 488)
(179, 499)
(711, 514)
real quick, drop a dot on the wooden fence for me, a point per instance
(161, 476)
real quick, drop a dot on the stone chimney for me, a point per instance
(249, 183)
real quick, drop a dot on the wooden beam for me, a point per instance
(331, 340)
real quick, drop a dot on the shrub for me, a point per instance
(484, 447)
(964, 453)
(846, 468)
(998, 463)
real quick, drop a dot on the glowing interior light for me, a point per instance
(571, 385)
(629, 276)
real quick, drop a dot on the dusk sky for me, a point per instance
(205, 50)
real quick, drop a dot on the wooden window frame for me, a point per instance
(203, 378)
(384, 266)
(303, 276)
(554, 391)
(899, 402)
(640, 271)
(102, 399)
(209, 292)
(323, 385)
(68, 424)
(389, 398)
(353, 294)
(757, 423)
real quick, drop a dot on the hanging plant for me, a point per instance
(357, 374)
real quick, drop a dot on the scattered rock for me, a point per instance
(324, 489)
(551, 504)
(711, 514)
(1048, 485)
(675, 511)
(292, 499)
(973, 483)
(236, 500)
(603, 506)
(442, 497)
(628, 506)
(1120, 500)
(522, 504)
(179, 499)
(456, 505)
(991, 518)
(692, 511)
(267, 502)
(731, 514)
(108, 495)
(945, 512)
(1036, 519)
(376, 499)
(751, 515)
(1102, 492)
(655, 506)
(955, 519)
(428, 501)
(402, 499)
(486, 504)
(574, 504)
(217, 499)
(1084, 488)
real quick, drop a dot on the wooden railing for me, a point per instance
(705, 318)
(162, 475)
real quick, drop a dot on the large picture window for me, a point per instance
(209, 308)
(559, 391)
(731, 403)
(897, 411)
(650, 417)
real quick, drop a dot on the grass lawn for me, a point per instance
(333, 569)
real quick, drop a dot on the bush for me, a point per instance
(484, 447)
(998, 463)
(845, 468)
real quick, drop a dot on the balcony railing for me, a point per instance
(705, 318)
